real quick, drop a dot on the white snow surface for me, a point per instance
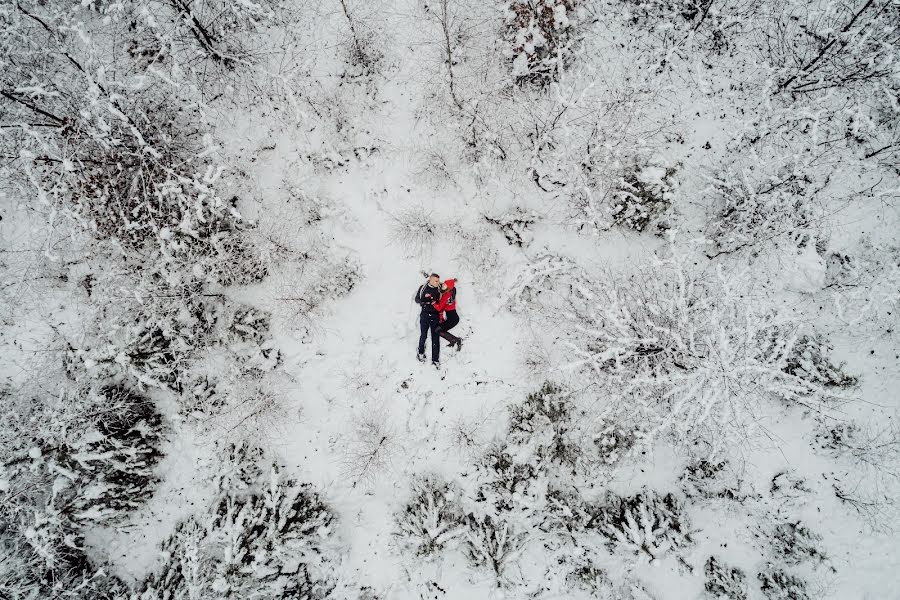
(355, 371)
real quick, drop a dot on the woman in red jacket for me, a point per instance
(446, 306)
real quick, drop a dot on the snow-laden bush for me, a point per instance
(431, 519)
(546, 284)
(689, 350)
(115, 457)
(24, 576)
(872, 447)
(264, 536)
(303, 289)
(590, 578)
(750, 210)
(200, 397)
(85, 458)
(151, 340)
(613, 441)
(121, 152)
(809, 361)
(542, 38)
(493, 543)
(710, 479)
(565, 511)
(864, 286)
(645, 524)
(91, 461)
(507, 477)
(542, 426)
(416, 230)
(514, 225)
(724, 582)
(370, 446)
(643, 199)
(787, 486)
(793, 543)
(362, 51)
(712, 28)
(777, 584)
(250, 339)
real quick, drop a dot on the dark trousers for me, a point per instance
(430, 322)
(449, 323)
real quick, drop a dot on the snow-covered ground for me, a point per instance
(700, 405)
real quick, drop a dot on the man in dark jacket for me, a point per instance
(429, 318)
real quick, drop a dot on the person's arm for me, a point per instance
(441, 304)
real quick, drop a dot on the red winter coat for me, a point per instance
(448, 298)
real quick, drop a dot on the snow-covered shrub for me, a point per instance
(514, 226)
(477, 255)
(643, 199)
(875, 447)
(243, 260)
(793, 543)
(303, 289)
(264, 536)
(688, 350)
(546, 284)
(83, 458)
(114, 458)
(253, 403)
(669, 21)
(646, 523)
(836, 436)
(863, 267)
(566, 511)
(809, 361)
(200, 396)
(709, 479)
(584, 574)
(361, 48)
(370, 446)
(589, 577)
(250, 339)
(23, 575)
(542, 36)
(786, 485)
(92, 460)
(492, 543)
(753, 210)
(121, 152)
(361, 53)
(613, 442)
(864, 286)
(723, 581)
(506, 477)
(542, 423)
(432, 518)
(845, 50)
(215, 32)
(151, 342)
(416, 230)
(777, 584)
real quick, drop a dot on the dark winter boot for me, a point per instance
(454, 341)
(420, 356)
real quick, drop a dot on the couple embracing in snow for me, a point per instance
(439, 316)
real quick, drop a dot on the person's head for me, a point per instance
(434, 280)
